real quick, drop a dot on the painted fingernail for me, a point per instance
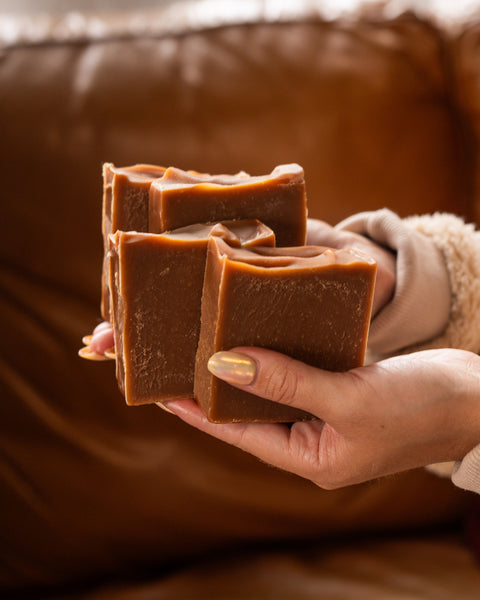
(233, 367)
(164, 407)
(89, 354)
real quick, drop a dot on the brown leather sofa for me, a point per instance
(97, 500)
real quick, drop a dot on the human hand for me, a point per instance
(404, 412)
(320, 233)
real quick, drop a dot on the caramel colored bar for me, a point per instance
(156, 283)
(125, 207)
(311, 303)
(278, 200)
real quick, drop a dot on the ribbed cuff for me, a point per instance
(420, 308)
(466, 473)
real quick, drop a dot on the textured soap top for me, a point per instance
(139, 172)
(245, 232)
(176, 178)
(300, 257)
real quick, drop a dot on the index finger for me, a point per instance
(268, 442)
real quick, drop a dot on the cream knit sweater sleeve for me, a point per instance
(436, 303)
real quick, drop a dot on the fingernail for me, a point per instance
(110, 353)
(233, 367)
(89, 354)
(164, 407)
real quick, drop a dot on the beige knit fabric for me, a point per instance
(420, 308)
(460, 246)
(437, 298)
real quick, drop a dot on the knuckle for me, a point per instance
(361, 393)
(329, 480)
(328, 485)
(281, 384)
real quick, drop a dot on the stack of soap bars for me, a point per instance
(195, 263)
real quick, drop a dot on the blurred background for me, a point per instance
(380, 107)
(66, 5)
(445, 7)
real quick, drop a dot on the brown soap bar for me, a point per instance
(278, 200)
(125, 207)
(311, 303)
(156, 283)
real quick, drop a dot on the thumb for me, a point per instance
(282, 379)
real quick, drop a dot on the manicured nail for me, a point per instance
(233, 367)
(164, 407)
(89, 354)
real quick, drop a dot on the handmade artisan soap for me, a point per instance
(180, 198)
(125, 207)
(310, 303)
(156, 283)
